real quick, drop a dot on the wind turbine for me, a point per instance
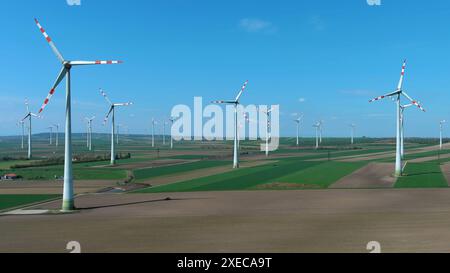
(22, 123)
(241, 125)
(172, 120)
(298, 121)
(317, 126)
(441, 125)
(320, 131)
(397, 96)
(57, 134)
(118, 132)
(402, 130)
(68, 200)
(29, 116)
(51, 135)
(235, 102)
(352, 127)
(113, 122)
(153, 132)
(267, 130)
(89, 132)
(164, 132)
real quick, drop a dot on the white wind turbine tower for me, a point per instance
(118, 132)
(68, 197)
(172, 120)
(235, 102)
(320, 131)
(51, 134)
(352, 134)
(113, 122)
(57, 134)
(241, 125)
(267, 130)
(153, 132)
(22, 123)
(29, 116)
(164, 132)
(441, 125)
(397, 95)
(298, 121)
(89, 132)
(402, 128)
(317, 126)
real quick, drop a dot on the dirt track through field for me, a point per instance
(381, 155)
(254, 221)
(445, 168)
(374, 175)
(53, 187)
(147, 164)
(429, 158)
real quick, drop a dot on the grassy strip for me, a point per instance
(422, 175)
(8, 201)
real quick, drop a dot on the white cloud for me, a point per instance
(256, 25)
(302, 100)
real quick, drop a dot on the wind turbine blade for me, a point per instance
(75, 63)
(107, 115)
(223, 102)
(105, 96)
(123, 104)
(402, 75)
(413, 101)
(385, 96)
(241, 92)
(25, 117)
(50, 42)
(61, 76)
(27, 105)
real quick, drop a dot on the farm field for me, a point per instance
(8, 201)
(198, 178)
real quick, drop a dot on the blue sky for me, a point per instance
(323, 58)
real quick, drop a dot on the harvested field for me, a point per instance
(255, 221)
(374, 175)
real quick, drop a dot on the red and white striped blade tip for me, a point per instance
(75, 63)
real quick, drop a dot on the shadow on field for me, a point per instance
(168, 199)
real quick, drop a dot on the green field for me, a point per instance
(16, 200)
(285, 171)
(143, 174)
(422, 175)
(295, 172)
(320, 176)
